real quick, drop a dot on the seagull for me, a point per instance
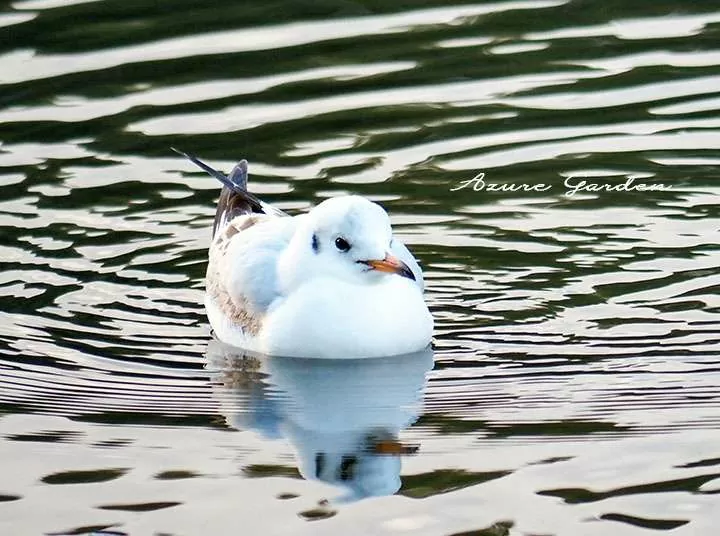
(331, 283)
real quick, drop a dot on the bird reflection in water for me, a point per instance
(342, 416)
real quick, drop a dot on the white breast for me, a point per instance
(330, 318)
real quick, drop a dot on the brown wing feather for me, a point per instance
(231, 205)
(237, 309)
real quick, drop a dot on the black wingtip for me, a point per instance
(211, 171)
(239, 175)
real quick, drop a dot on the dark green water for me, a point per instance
(575, 384)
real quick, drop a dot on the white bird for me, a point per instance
(331, 283)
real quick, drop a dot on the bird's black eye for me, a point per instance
(347, 468)
(342, 244)
(319, 463)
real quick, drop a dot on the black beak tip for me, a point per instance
(407, 272)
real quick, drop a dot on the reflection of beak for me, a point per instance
(392, 265)
(393, 447)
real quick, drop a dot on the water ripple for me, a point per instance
(577, 342)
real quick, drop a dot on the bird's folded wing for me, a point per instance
(242, 272)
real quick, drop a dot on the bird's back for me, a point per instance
(247, 237)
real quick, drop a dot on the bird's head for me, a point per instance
(350, 238)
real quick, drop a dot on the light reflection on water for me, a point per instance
(574, 388)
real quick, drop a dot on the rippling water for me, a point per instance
(575, 388)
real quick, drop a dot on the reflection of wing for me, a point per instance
(242, 390)
(399, 249)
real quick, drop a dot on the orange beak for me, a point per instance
(394, 447)
(391, 265)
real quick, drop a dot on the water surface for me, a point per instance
(574, 388)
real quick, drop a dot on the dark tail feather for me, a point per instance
(239, 175)
(230, 205)
(202, 165)
(234, 200)
(237, 180)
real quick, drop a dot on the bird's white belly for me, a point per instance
(334, 319)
